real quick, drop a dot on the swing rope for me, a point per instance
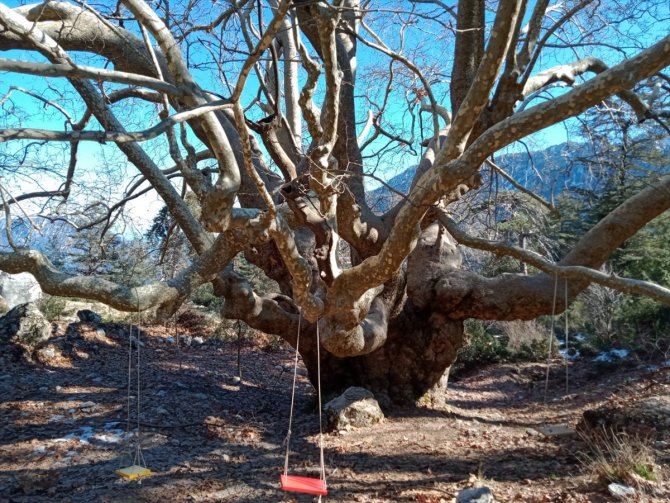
(139, 456)
(318, 385)
(138, 467)
(567, 340)
(551, 338)
(305, 484)
(290, 417)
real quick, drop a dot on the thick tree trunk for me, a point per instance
(412, 367)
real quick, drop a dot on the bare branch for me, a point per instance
(569, 73)
(55, 282)
(478, 94)
(88, 72)
(114, 136)
(579, 274)
(520, 187)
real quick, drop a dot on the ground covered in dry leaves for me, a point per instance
(209, 439)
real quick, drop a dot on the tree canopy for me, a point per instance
(262, 126)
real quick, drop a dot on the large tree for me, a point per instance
(270, 115)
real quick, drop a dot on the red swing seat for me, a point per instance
(309, 485)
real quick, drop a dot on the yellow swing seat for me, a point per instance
(134, 472)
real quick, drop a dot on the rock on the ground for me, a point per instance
(356, 407)
(88, 407)
(475, 495)
(134, 342)
(47, 354)
(88, 316)
(25, 324)
(647, 416)
(621, 491)
(654, 410)
(19, 288)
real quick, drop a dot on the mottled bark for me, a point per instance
(469, 48)
(411, 366)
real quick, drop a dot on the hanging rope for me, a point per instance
(318, 383)
(567, 340)
(551, 338)
(138, 468)
(239, 351)
(139, 456)
(305, 484)
(130, 365)
(177, 341)
(295, 377)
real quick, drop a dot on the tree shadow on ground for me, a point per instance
(193, 417)
(207, 438)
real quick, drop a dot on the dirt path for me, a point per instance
(209, 439)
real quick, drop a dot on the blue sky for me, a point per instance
(92, 156)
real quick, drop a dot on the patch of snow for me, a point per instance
(621, 491)
(111, 438)
(110, 435)
(580, 337)
(612, 355)
(576, 355)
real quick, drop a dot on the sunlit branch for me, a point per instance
(478, 94)
(569, 73)
(113, 136)
(577, 273)
(88, 72)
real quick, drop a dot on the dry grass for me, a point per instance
(621, 458)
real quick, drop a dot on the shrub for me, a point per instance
(269, 342)
(227, 331)
(204, 296)
(481, 348)
(510, 341)
(52, 307)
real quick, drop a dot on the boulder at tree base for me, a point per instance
(356, 407)
(24, 325)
